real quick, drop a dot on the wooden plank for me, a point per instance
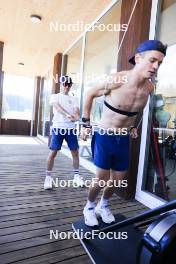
(54, 257)
(58, 248)
(81, 259)
(63, 203)
(10, 238)
(47, 217)
(51, 213)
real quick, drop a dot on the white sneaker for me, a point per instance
(48, 183)
(105, 214)
(78, 181)
(90, 218)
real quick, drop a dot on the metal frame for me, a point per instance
(142, 196)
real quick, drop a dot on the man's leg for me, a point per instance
(77, 180)
(102, 208)
(101, 157)
(50, 164)
(50, 161)
(119, 166)
(75, 157)
(72, 142)
(102, 176)
(55, 145)
(115, 177)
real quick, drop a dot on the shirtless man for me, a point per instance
(122, 102)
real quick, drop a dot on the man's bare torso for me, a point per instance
(127, 97)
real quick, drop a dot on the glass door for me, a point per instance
(157, 164)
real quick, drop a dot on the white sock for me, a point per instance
(48, 173)
(76, 171)
(103, 202)
(90, 204)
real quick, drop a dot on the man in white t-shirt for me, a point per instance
(66, 113)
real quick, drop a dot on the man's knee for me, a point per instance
(75, 153)
(102, 174)
(53, 154)
(118, 175)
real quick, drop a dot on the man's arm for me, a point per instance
(61, 110)
(77, 113)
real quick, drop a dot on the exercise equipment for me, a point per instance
(158, 245)
(159, 166)
(124, 243)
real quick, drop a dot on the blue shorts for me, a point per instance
(58, 136)
(111, 151)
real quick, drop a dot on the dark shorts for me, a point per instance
(58, 136)
(111, 151)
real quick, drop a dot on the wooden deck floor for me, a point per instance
(28, 213)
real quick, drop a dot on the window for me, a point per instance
(44, 111)
(101, 55)
(18, 94)
(74, 67)
(160, 163)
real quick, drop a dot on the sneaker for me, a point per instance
(48, 183)
(78, 181)
(105, 214)
(90, 218)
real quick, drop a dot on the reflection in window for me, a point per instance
(18, 94)
(161, 155)
(166, 25)
(44, 112)
(40, 122)
(101, 56)
(74, 67)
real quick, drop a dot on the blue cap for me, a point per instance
(149, 45)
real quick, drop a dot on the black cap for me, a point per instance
(149, 45)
